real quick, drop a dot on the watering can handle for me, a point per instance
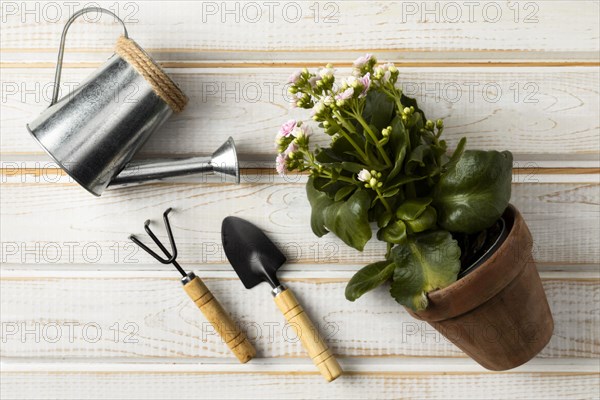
(61, 49)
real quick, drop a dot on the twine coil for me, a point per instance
(158, 79)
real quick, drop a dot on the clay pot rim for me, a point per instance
(443, 302)
(511, 225)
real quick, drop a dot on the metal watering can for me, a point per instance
(94, 132)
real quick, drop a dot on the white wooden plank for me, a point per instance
(364, 365)
(27, 171)
(134, 317)
(563, 218)
(534, 111)
(314, 26)
(295, 272)
(180, 58)
(571, 166)
(75, 381)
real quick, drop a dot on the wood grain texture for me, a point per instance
(309, 335)
(293, 382)
(135, 317)
(220, 319)
(527, 110)
(563, 218)
(328, 26)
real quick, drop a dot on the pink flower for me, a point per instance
(294, 77)
(326, 72)
(362, 60)
(313, 81)
(365, 81)
(280, 164)
(291, 148)
(346, 94)
(301, 131)
(287, 128)
(319, 108)
(386, 77)
(294, 100)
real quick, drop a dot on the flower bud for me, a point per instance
(440, 124)
(386, 132)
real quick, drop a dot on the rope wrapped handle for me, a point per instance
(130, 51)
(161, 83)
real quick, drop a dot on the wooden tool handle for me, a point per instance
(220, 320)
(309, 336)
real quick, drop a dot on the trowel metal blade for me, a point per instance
(254, 257)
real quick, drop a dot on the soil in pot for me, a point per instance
(497, 313)
(476, 248)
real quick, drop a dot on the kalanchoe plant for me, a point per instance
(387, 166)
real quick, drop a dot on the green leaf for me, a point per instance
(384, 218)
(460, 149)
(424, 221)
(408, 102)
(368, 278)
(390, 193)
(344, 192)
(328, 186)
(474, 192)
(353, 167)
(428, 261)
(418, 158)
(319, 201)
(403, 180)
(340, 148)
(412, 208)
(399, 143)
(349, 220)
(379, 109)
(326, 156)
(393, 233)
(416, 123)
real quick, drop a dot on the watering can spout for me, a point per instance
(223, 162)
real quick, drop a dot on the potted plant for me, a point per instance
(458, 254)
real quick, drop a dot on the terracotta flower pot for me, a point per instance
(498, 314)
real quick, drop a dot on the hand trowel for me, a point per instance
(256, 259)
